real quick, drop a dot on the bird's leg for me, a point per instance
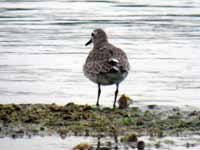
(116, 93)
(99, 93)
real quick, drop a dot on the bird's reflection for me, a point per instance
(109, 147)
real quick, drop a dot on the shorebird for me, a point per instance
(105, 64)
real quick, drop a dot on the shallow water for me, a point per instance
(56, 143)
(42, 50)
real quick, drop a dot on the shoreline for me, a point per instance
(17, 120)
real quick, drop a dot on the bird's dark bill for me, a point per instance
(89, 42)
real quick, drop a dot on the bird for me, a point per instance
(105, 64)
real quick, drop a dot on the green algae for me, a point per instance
(89, 120)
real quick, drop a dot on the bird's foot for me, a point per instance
(97, 104)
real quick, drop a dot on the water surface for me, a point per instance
(56, 143)
(42, 50)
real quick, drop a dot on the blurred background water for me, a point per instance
(42, 50)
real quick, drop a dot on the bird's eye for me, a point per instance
(92, 34)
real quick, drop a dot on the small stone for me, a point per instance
(132, 138)
(129, 138)
(104, 148)
(193, 113)
(42, 128)
(14, 136)
(151, 106)
(124, 102)
(55, 108)
(188, 145)
(140, 145)
(158, 145)
(83, 146)
(87, 132)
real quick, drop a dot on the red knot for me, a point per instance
(105, 64)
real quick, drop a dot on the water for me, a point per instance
(42, 50)
(56, 143)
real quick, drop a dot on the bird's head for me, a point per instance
(98, 36)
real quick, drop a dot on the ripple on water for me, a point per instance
(160, 38)
(57, 143)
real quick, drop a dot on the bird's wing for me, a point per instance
(120, 56)
(106, 59)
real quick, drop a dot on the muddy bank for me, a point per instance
(72, 119)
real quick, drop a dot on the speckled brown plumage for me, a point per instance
(98, 59)
(105, 64)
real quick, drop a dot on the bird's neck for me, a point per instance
(100, 44)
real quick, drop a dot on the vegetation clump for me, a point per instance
(88, 120)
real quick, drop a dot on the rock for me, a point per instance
(140, 145)
(55, 108)
(129, 138)
(151, 106)
(124, 102)
(83, 146)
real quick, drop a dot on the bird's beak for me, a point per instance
(89, 42)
